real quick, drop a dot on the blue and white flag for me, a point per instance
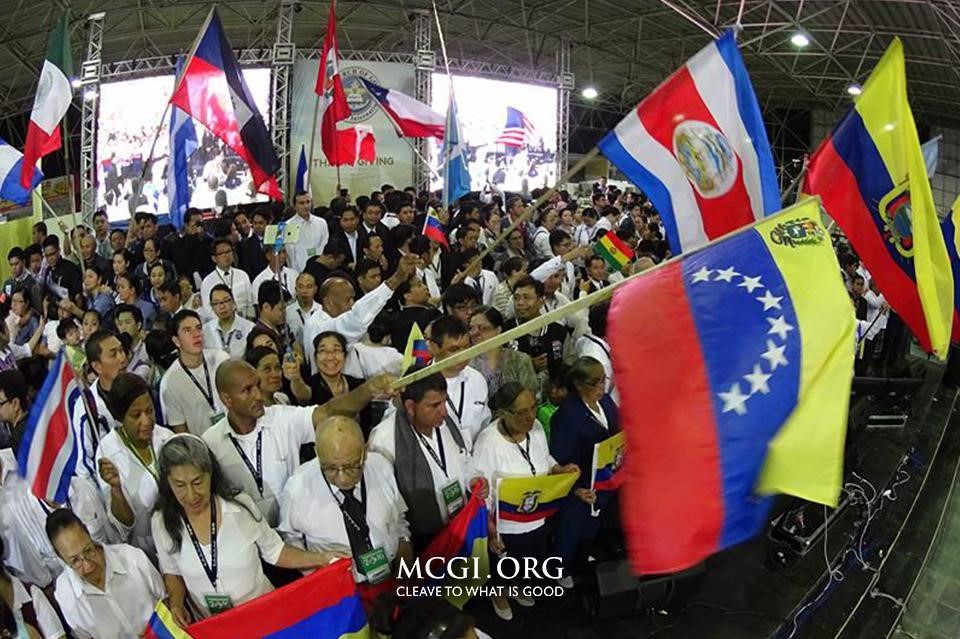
(301, 181)
(931, 155)
(183, 142)
(456, 177)
(11, 163)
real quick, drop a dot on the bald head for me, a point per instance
(336, 296)
(239, 388)
(231, 374)
(340, 447)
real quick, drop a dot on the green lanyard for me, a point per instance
(144, 461)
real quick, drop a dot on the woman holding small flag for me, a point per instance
(515, 445)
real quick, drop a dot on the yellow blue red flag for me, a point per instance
(532, 498)
(608, 457)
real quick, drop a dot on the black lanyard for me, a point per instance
(224, 281)
(360, 527)
(458, 410)
(258, 471)
(208, 394)
(209, 568)
(228, 338)
(526, 455)
(440, 459)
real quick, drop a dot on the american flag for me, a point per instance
(518, 129)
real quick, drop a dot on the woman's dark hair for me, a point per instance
(324, 335)
(126, 389)
(505, 396)
(421, 618)
(256, 332)
(187, 450)
(254, 355)
(160, 348)
(132, 282)
(582, 371)
(60, 519)
(493, 316)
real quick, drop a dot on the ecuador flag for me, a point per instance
(872, 178)
(532, 498)
(745, 395)
(417, 351)
(608, 457)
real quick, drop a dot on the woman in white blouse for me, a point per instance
(515, 445)
(127, 460)
(210, 537)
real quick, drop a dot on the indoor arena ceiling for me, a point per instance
(622, 47)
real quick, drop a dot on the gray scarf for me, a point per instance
(414, 479)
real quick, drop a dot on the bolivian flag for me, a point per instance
(613, 250)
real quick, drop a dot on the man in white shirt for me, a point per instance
(304, 307)
(339, 312)
(467, 391)
(258, 448)
(587, 230)
(431, 463)
(187, 388)
(228, 332)
(106, 357)
(483, 281)
(233, 278)
(277, 270)
(347, 500)
(313, 233)
(129, 320)
(565, 255)
(107, 592)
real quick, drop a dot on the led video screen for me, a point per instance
(510, 130)
(129, 114)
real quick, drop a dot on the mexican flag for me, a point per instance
(54, 94)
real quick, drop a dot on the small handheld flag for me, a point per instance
(532, 498)
(433, 229)
(162, 625)
(416, 351)
(614, 251)
(608, 457)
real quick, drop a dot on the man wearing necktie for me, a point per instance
(233, 278)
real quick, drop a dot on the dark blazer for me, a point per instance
(574, 430)
(251, 257)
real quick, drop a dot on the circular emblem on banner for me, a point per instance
(706, 157)
(897, 216)
(44, 86)
(362, 104)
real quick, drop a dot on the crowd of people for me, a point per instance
(238, 427)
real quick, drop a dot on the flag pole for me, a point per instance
(559, 313)
(313, 139)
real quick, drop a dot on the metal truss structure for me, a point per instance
(622, 47)
(284, 51)
(425, 61)
(90, 94)
(566, 82)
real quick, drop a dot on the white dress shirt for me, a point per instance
(313, 238)
(352, 239)
(366, 360)
(181, 397)
(243, 538)
(138, 483)
(875, 303)
(232, 341)
(583, 235)
(139, 363)
(131, 589)
(458, 460)
(287, 279)
(495, 456)
(281, 432)
(310, 515)
(467, 395)
(297, 317)
(486, 282)
(541, 243)
(239, 284)
(352, 325)
(47, 619)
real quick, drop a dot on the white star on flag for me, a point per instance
(734, 400)
(726, 275)
(769, 300)
(758, 380)
(750, 283)
(779, 327)
(703, 275)
(774, 354)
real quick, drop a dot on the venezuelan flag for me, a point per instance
(416, 351)
(872, 178)
(464, 536)
(322, 605)
(614, 250)
(532, 498)
(734, 365)
(608, 457)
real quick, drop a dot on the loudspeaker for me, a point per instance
(615, 592)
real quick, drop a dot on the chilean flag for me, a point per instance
(413, 118)
(48, 454)
(698, 148)
(212, 90)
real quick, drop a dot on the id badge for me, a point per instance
(311, 252)
(216, 418)
(452, 497)
(217, 603)
(374, 565)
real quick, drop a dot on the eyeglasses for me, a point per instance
(332, 352)
(4, 402)
(349, 469)
(221, 303)
(89, 553)
(596, 382)
(521, 412)
(222, 253)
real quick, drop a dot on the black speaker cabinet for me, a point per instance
(615, 592)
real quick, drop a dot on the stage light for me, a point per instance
(854, 89)
(75, 83)
(90, 94)
(589, 93)
(800, 40)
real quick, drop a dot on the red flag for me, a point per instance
(339, 146)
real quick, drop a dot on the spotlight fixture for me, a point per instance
(854, 89)
(75, 83)
(800, 40)
(90, 94)
(589, 93)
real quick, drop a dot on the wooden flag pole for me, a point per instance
(559, 313)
